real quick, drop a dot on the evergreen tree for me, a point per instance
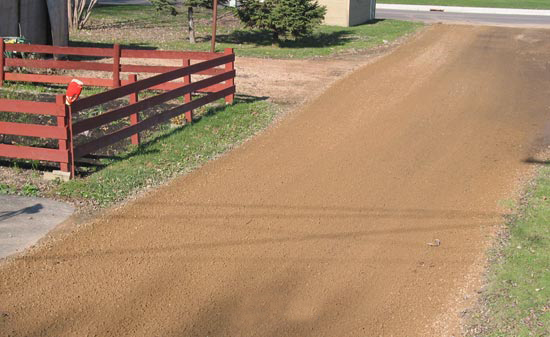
(297, 18)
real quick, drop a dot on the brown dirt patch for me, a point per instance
(318, 227)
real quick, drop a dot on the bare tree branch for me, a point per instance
(78, 13)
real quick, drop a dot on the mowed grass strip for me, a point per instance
(523, 4)
(517, 302)
(136, 26)
(170, 153)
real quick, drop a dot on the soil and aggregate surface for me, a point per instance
(366, 212)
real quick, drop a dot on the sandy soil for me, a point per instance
(293, 82)
(318, 227)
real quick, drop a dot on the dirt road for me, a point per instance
(318, 227)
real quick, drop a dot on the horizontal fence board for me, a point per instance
(126, 132)
(130, 68)
(147, 103)
(29, 107)
(147, 83)
(212, 88)
(49, 64)
(168, 54)
(108, 52)
(211, 71)
(33, 130)
(174, 85)
(58, 79)
(34, 153)
(44, 49)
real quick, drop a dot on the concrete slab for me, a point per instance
(25, 220)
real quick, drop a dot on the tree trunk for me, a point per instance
(9, 17)
(70, 13)
(276, 39)
(34, 21)
(191, 24)
(58, 18)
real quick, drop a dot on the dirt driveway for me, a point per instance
(318, 227)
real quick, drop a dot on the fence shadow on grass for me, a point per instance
(96, 162)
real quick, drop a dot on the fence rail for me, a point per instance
(219, 85)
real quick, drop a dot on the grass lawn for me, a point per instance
(527, 4)
(142, 27)
(517, 302)
(171, 152)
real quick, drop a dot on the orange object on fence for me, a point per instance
(73, 91)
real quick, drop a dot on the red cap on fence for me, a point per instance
(73, 91)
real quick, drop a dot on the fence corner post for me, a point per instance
(187, 97)
(134, 118)
(64, 120)
(116, 65)
(2, 61)
(229, 99)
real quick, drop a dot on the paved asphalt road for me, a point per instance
(468, 18)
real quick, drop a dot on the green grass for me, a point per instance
(6, 189)
(171, 152)
(142, 27)
(526, 4)
(518, 296)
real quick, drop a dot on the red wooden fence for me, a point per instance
(220, 84)
(115, 68)
(61, 131)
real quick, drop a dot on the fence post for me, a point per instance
(63, 121)
(187, 97)
(231, 82)
(134, 118)
(69, 110)
(2, 62)
(116, 65)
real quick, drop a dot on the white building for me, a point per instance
(348, 12)
(344, 12)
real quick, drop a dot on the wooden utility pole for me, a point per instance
(214, 24)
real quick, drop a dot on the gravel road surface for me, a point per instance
(320, 226)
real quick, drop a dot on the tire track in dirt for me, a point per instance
(319, 226)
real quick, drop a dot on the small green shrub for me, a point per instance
(30, 190)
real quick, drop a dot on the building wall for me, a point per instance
(348, 12)
(337, 12)
(361, 11)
